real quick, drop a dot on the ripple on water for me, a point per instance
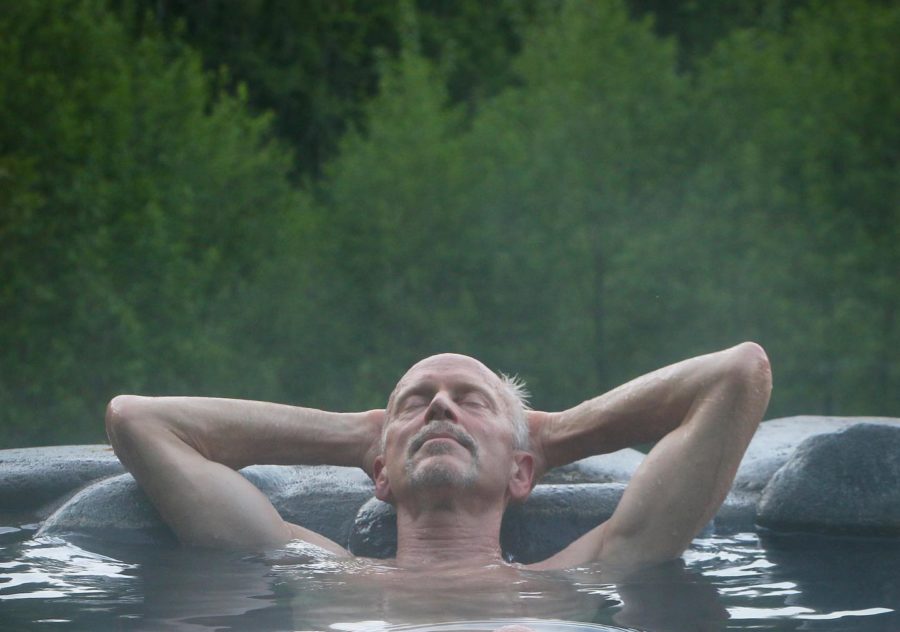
(51, 568)
(758, 582)
(484, 625)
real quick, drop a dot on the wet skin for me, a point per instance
(448, 460)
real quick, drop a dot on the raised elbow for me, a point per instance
(749, 364)
(752, 358)
(123, 413)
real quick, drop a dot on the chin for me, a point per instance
(433, 475)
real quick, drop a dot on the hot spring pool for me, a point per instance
(745, 581)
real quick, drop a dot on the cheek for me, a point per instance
(395, 439)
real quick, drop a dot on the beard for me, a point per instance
(439, 473)
(435, 475)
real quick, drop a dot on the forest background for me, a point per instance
(294, 201)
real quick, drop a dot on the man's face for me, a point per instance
(448, 428)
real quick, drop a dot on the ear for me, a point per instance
(382, 484)
(520, 482)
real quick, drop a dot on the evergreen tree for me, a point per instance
(139, 205)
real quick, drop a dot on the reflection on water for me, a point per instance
(393, 596)
(740, 582)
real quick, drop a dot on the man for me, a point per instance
(453, 447)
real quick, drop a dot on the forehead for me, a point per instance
(449, 368)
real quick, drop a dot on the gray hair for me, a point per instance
(516, 394)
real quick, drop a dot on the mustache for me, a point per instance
(439, 428)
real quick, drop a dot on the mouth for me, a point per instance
(439, 438)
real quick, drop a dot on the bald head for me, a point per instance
(510, 391)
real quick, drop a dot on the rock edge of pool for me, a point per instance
(810, 474)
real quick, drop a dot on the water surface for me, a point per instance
(738, 582)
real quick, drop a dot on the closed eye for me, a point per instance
(414, 402)
(474, 400)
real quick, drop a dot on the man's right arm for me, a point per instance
(184, 452)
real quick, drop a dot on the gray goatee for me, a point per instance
(440, 474)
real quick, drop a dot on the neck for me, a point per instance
(448, 535)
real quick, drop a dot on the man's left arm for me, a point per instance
(702, 413)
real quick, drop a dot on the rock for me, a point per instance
(374, 532)
(32, 477)
(114, 508)
(552, 517)
(775, 440)
(771, 447)
(845, 482)
(737, 513)
(616, 467)
(338, 503)
(324, 499)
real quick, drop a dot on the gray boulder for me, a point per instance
(374, 532)
(616, 467)
(551, 518)
(115, 509)
(775, 441)
(338, 503)
(771, 447)
(324, 499)
(554, 516)
(845, 482)
(737, 513)
(31, 478)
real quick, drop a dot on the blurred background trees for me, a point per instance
(295, 201)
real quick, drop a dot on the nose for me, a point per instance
(440, 409)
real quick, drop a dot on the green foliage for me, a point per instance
(400, 238)
(315, 63)
(609, 214)
(595, 87)
(552, 187)
(804, 119)
(139, 207)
